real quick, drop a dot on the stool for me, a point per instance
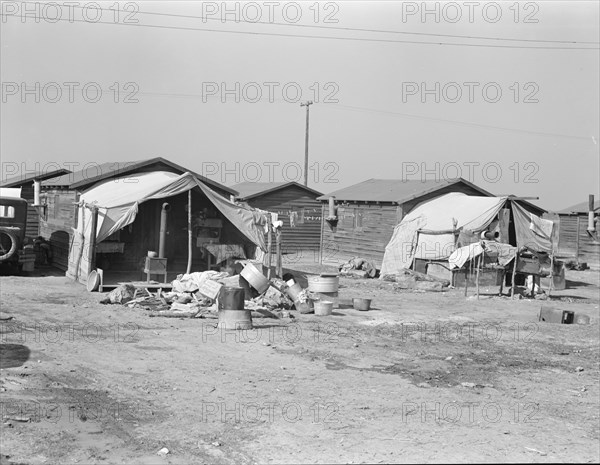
(155, 266)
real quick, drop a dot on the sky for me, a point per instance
(504, 94)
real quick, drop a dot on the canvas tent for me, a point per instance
(118, 201)
(430, 230)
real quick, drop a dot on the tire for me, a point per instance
(6, 238)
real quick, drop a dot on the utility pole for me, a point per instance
(306, 104)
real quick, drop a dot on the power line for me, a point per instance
(340, 28)
(274, 34)
(338, 106)
(458, 123)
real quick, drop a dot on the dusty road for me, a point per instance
(421, 377)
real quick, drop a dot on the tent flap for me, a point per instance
(118, 200)
(426, 232)
(532, 231)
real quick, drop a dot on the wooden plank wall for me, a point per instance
(57, 223)
(575, 242)
(363, 230)
(33, 219)
(305, 237)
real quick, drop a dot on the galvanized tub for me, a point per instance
(323, 283)
(323, 307)
(235, 319)
(231, 298)
(362, 304)
(256, 279)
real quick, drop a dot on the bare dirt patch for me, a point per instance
(423, 376)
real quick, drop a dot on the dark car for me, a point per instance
(13, 220)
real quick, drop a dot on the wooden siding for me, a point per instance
(306, 235)
(57, 223)
(33, 219)
(574, 242)
(362, 230)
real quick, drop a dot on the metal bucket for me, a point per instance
(235, 319)
(304, 307)
(294, 291)
(231, 298)
(323, 283)
(362, 304)
(256, 279)
(323, 308)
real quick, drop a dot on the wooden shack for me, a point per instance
(26, 182)
(369, 211)
(60, 194)
(575, 242)
(296, 205)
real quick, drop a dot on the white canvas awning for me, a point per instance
(118, 200)
(426, 232)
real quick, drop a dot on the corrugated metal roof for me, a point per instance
(582, 207)
(31, 176)
(392, 190)
(91, 171)
(249, 190)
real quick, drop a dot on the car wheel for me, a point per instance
(8, 245)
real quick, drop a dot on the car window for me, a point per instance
(7, 211)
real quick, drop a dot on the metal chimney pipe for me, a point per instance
(37, 188)
(163, 229)
(490, 235)
(591, 227)
(331, 207)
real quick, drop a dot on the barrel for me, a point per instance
(235, 319)
(256, 279)
(323, 308)
(362, 304)
(231, 298)
(323, 283)
(294, 291)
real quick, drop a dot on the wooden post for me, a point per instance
(551, 283)
(321, 239)
(577, 239)
(93, 233)
(479, 260)
(269, 244)
(279, 272)
(81, 246)
(189, 263)
(466, 279)
(514, 273)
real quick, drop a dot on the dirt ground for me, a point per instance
(420, 377)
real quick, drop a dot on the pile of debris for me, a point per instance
(196, 295)
(411, 279)
(358, 267)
